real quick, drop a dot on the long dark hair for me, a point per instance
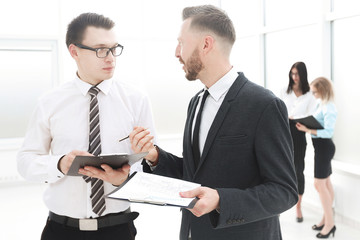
(304, 84)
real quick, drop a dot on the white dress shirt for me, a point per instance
(298, 107)
(217, 93)
(60, 124)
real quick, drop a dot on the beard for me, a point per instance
(193, 66)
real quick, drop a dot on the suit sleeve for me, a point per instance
(278, 190)
(169, 165)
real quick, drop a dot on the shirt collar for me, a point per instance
(84, 87)
(223, 85)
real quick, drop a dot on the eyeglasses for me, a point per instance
(103, 52)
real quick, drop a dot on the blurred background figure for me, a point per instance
(324, 147)
(300, 103)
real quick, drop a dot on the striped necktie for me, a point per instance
(97, 185)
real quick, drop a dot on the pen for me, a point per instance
(129, 136)
(124, 138)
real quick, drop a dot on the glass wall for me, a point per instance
(246, 54)
(280, 13)
(28, 69)
(284, 48)
(347, 85)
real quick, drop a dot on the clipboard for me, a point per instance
(310, 122)
(153, 189)
(114, 161)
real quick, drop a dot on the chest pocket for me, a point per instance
(233, 140)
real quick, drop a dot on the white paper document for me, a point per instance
(154, 189)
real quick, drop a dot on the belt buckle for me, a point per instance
(88, 224)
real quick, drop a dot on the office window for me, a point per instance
(26, 71)
(30, 18)
(246, 16)
(246, 58)
(285, 12)
(284, 48)
(346, 52)
(346, 6)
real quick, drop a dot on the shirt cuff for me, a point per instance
(53, 170)
(152, 168)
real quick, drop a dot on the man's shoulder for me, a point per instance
(131, 92)
(255, 91)
(128, 87)
(60, 90)
(255, 98)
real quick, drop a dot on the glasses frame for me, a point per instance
(102, 48)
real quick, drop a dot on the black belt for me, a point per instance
(93, 224)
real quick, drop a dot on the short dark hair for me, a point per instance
(209, 17)
(77, 27)
(304, 84)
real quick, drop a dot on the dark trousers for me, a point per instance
(56, 231)
(299, 141)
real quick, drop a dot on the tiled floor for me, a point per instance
(23, 216)
(302, 231)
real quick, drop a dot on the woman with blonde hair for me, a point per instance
(324, 151)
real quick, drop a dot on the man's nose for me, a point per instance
(110, 57)
(177, 51)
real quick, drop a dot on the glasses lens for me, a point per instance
(102, 52)
(117, 51)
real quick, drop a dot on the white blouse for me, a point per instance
(299, 107)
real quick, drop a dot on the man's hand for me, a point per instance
(141, 141)
(66, 161)
(108, 174)
(208, 200)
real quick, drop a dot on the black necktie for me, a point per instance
(195, 145)
(97, 185)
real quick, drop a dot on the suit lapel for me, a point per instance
(188, 134)
(221, 114)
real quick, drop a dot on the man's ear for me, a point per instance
(208, 44)
(73, 51)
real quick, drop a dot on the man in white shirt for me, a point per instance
(59, 131)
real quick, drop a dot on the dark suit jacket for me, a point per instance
(248, 158)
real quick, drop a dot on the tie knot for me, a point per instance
(93, 91)
(206, 93)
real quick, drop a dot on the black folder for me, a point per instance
(114, 161)
(310, 122)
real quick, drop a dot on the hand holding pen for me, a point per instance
(139, 139)
(124, 138)
(142, 141)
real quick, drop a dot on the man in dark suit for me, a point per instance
(240, 151)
